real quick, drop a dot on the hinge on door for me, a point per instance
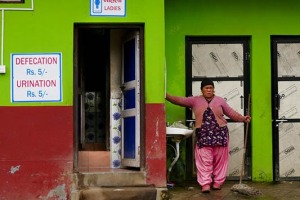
(247, 56)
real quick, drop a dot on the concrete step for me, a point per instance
(110, 179)
(118, 193)
(115, 185)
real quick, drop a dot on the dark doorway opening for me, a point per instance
(93, 75)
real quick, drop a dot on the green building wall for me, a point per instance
(258, 19)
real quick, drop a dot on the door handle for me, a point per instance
(281, 120)
(277, 102)
(242, 102)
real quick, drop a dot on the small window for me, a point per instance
(11, 1)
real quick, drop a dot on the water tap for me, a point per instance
(191, 123)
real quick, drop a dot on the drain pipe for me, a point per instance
(177, 152)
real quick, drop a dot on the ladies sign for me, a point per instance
(108, 7)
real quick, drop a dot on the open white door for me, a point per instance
(131, 101)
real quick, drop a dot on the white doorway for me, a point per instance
(226, 61)
(285, 107)
(101, 97)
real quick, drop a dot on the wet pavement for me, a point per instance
(286, 190)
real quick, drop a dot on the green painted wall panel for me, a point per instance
(50, 27)
(258, 19)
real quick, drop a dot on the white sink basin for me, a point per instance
(179, 132)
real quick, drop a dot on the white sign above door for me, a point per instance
(108, 7)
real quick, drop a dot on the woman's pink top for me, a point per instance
(199, 104)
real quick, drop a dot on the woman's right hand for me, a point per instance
(247, 119)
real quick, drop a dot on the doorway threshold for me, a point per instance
(107, 170)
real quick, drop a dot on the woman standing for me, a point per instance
(211, 151)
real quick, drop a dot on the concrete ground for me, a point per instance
(270, 191)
